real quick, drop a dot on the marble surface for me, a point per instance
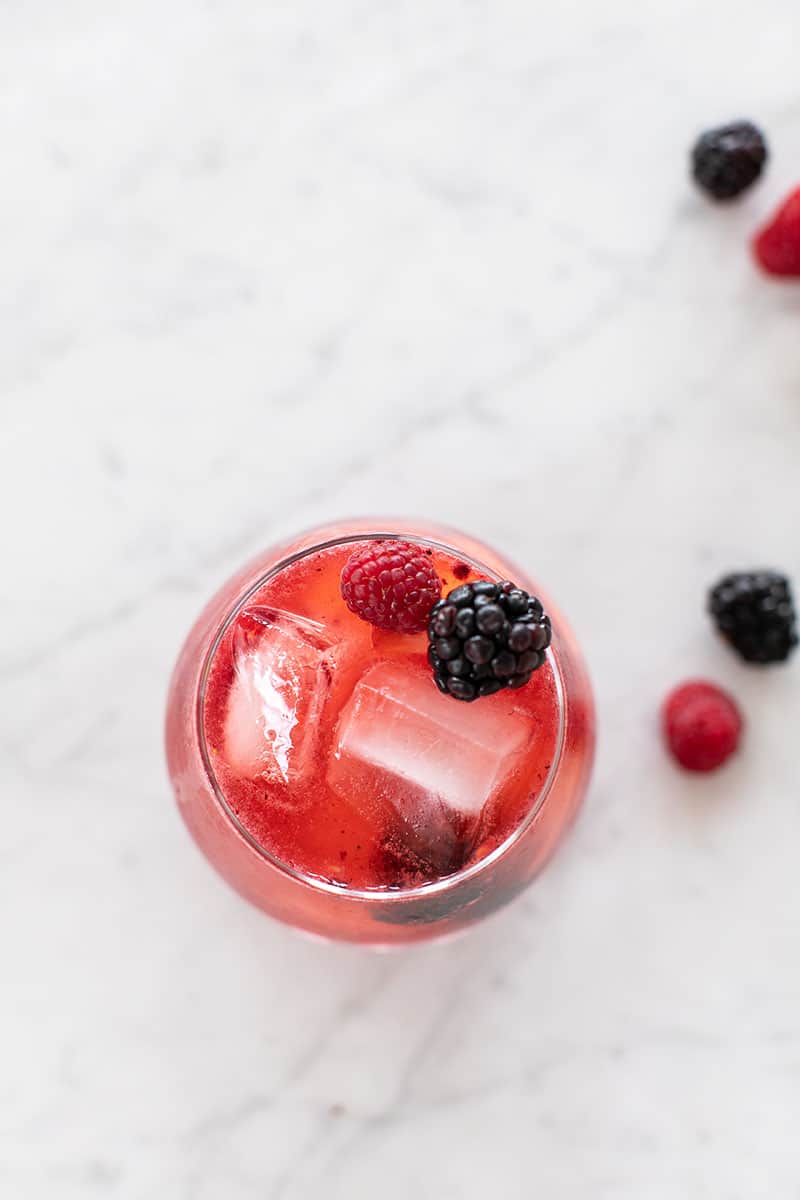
(265, 264)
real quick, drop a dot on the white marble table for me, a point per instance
(263, 264)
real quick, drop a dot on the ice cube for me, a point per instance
(283, 672)
(428, 762)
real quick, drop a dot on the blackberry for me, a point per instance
(753, 610)
(484, 637)
(727, 160)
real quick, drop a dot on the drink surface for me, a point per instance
(333, 748)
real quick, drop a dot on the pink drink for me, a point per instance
(323, 774)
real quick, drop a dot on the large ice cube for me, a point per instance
(283, 671)
(430, 763)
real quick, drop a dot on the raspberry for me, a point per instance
(754, 611)
(702, 725)
(484, 637)
(391, 584)
(777, 246)
(727, 160)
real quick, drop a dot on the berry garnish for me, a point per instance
(777, 246)
(727, 160)
(702, 725)
(391, 584)
(753, 611)
(486, 636)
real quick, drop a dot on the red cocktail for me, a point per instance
(326, 776)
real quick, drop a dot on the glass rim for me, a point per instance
(373, 895)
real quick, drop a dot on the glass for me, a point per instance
(239, 842)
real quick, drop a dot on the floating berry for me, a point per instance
(392, 584)
(484, 637)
